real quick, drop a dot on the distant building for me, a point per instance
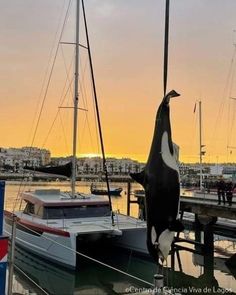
(94, 165)
(16, 158)
(216, 170)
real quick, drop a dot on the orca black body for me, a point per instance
(160, 179)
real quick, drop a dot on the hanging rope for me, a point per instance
(24, 274)
(166, 45)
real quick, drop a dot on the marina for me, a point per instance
(54, 279)
(107, 225)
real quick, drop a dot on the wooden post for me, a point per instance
(128, 197)
(208, 239)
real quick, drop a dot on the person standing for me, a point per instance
(221, 191)
(229, 192)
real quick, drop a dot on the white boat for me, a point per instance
(55, 224)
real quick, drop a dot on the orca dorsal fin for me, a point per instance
(139, 177)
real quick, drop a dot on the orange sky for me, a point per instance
(127, 45)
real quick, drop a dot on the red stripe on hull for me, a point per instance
(38, 227)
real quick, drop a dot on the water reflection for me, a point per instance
(186, 268)
(186, 271)
(91, 278)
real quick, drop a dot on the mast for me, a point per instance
(76, 99)
(200, 142)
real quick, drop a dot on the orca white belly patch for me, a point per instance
(167, 157)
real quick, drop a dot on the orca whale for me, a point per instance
(160, 180)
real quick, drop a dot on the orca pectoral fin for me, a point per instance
(139, 177)
(176, 226)
(164, 243)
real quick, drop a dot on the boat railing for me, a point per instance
(117, 212)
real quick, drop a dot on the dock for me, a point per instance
(207, 207)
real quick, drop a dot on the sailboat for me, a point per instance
(99, 190)
(56, 224)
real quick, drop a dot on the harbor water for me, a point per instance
(192, 273)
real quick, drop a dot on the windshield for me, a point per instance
(76, 211)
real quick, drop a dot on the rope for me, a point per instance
(21, 271)
(50, 75)
(47, 70)
(212, 143)
(92, 259)
(97, 111)
(166, 45)
(86, 106)
(40, 113)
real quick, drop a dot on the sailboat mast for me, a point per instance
(200, 142)
(76, 99)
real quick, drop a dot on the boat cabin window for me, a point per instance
(29, 208)
(76, 211)
(33, 209)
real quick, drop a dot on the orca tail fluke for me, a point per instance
(169, 95)
(176, 226)
(139, 177)
(173, 93)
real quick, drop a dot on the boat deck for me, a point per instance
(88, 224)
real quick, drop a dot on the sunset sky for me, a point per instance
(126, 38)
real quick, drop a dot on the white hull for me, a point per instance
(128, 233)
(49, 246)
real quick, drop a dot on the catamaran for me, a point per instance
(55, 224)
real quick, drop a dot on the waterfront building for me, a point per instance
(94, 165)
(16, 158)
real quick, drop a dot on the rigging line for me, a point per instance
(228, 129)
(166, 45)
(64, 134)
(220, 111)
(232, 77)
(88, 257)
(21, 188)
(63, 96)
(38, 286)
(46, 72)
(233, 114)
(96, 127)
(225, 89)
(194, 132)
(85, 100)
(81, 135)
(62, 99)
(57, 113)
(47, 86)
(82, 83)
(50, 75)
(232, 125)
(67, 76)
(97, 112)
